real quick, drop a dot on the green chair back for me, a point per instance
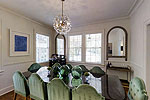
(56, 65)
(58, 90)
(137, 90)
(69, 65)
(84, 69)
(20, 84)
(86, 92)
(37, 87)
(97, 71)
(34, 67)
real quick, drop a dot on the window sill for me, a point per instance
(87, 63)
(43, 62)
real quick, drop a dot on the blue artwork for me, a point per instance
(20, 43)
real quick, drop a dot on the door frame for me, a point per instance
(146, 24)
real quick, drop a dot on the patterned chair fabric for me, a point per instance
(34, 67)
(137, 90)
(86, 92)
(97, 72)
(37, 87)
(58, 90)
(20, 84)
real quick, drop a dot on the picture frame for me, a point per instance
(19, 43)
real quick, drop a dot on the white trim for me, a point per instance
(136, 70)
(132, 7)
(134, 64)
(146, 23)
(102, 21)
(137, 4)
(13, 63)
(83, 33)
(1, 43)
(6, 90)
(47, 35)
(1, 71)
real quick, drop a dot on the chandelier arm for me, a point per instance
(62, 6)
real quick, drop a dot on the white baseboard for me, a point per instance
(6, 90)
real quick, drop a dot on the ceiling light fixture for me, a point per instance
(62, 23)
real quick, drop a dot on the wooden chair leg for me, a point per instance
(15, 96)
(25, 98)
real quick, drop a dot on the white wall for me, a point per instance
(138, 22)
(105, 27)
(16, 22)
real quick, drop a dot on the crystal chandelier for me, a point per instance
(62, 23)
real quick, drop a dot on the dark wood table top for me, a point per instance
(108, 85)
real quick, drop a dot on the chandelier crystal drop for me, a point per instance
(62, 23)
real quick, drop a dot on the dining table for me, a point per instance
(108, 85)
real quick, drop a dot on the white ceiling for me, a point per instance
(81, 12)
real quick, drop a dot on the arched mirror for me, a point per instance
(117, 43)
(60, 44)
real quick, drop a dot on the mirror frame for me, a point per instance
(126, 44)
(64, 43)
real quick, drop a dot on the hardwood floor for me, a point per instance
(10, 96)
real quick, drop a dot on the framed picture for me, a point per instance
(19, 43)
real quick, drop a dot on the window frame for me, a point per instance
(68, 47)
(94, 48)
(36, 45)
(83, 48)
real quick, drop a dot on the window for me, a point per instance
(75, 44)
(42, 48)
(93, 48)
(60, 46)
(88, 51)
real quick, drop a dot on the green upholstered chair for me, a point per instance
(34, 67)
(56, 65)
(137, 90)
(58, 90)
(37, 87)
(20, 85)
(84, 69)
(56, 69)
(86, 92)
(69, 65)
(97, 72)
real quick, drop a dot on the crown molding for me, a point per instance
(25, 17)
(134, 7)
(103, 21)
(131, 11)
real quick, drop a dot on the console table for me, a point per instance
(122, 69)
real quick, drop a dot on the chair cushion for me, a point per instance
(137, 90)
